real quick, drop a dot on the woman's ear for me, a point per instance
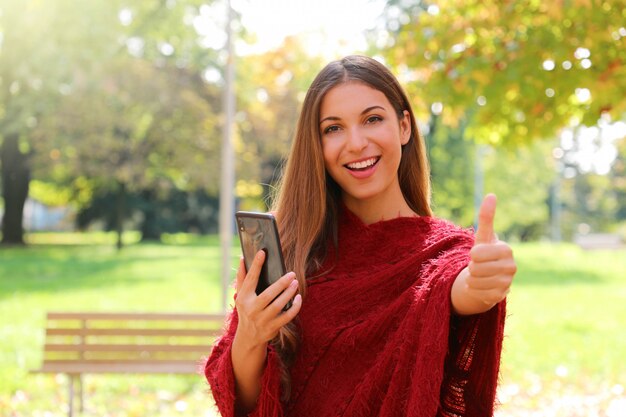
(405, 127)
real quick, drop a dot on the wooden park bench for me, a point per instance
(115, 343)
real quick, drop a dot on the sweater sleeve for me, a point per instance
(473, 359)
(220, 376)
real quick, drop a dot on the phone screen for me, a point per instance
(258, 231)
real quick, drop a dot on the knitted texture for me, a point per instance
(378, 337)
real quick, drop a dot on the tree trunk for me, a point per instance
(15, 180)
(120, 211)
(150, 227)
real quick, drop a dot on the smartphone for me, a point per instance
(258, 231)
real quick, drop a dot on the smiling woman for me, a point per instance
(394, 312)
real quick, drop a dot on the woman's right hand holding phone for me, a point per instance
(260, 318)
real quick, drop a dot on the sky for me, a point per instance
(330, 27)
(594, 150)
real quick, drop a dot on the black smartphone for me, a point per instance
(258, 231)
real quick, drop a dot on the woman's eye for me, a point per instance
(374, 119)
(331, 129)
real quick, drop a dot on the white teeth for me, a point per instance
(362, 164)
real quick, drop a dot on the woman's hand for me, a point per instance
(260, 319)
(261, 316)
(487, 279)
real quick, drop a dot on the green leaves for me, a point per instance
(522, 69)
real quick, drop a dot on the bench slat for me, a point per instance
(56, 347)
(134, 316)
(121, 366)
(131, 332)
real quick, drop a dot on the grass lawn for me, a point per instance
(565, 338)
(563, 350)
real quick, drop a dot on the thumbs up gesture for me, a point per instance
(487, 279)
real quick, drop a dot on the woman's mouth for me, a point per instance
(363, 169)
(363, 165)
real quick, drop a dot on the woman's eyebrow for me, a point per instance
(367, 110)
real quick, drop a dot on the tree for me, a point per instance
(32, 70)
(521, 178)
(173, 211)
(587, 206)
(618, 180)
(515, 70)
(49, 50)
(140, 129)
(529, 167)
(452, 167)
(270, 91)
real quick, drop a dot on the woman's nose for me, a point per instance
(356, 140)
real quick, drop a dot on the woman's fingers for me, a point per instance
(497, 282)
(275, 309)
(252, 276)
(263, 326)
(261, 316)
(273, 318)
(486, 214)
(241, 275)
(491, 296)
(490, 252)
(286, 316)
(491, 271)
(491, 268)
(271, 292)
(279, 302)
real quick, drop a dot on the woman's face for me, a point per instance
(362, 142)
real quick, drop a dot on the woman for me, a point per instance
(394, 312)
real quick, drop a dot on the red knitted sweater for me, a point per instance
(378, 337)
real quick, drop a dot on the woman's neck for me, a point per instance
(377, 209)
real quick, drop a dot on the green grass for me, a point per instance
(565, 339)
(88, 273)
(567, 311)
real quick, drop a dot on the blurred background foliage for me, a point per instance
(113, 109)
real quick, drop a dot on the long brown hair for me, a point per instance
(307, 200)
